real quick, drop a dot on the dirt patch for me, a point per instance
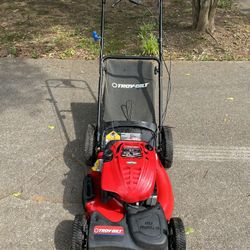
(62, 29)
(229, 42)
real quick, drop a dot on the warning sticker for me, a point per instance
(109, 230)
(113, 136)
(131, 136)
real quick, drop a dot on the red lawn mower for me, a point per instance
(127, 194)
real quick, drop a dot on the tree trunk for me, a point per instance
(203, 15)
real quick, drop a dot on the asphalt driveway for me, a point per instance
(45, 106)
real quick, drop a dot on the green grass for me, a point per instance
(13, 51)
(225, 4)
(68, 53)
(35, 54)
(146, 29)
(150, 45)
(11, 37)
(149, 42)
(62, 29)
(89, 45)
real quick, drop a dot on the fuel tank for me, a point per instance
(129, 170)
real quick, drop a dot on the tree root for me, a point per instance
(210, 33)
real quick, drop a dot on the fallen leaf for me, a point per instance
(189, 230)
(17, 194)
(227, 118)
(51, 127)
(38, 198)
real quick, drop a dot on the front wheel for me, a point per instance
(79, 233)
(177, 237)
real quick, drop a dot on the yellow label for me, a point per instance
(113, 136)
(96, 166)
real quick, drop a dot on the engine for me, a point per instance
(129, 170)
(118, 199)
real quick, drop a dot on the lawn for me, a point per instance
(62, 29)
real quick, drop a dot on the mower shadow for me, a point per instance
(63, 234)
(82, 114)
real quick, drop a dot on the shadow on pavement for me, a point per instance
(63, 234)
(82, 115)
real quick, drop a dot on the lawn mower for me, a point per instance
(127, 194)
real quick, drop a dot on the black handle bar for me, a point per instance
(137, 2)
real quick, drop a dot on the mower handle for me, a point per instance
(137, 2)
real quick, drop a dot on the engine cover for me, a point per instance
(130, 170)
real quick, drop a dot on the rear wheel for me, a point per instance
(166, 147)
(79, 233)
(177, 237)
(89, 145)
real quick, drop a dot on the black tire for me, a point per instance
(177, 236)
(89, 145)
(78, 234)
(166, 147)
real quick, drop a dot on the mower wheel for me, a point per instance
(166, 153)
(79, 234)
(177, 237)
(89, 145)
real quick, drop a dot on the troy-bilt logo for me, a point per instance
(130, 86)
(109, 230)
(131, 162)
